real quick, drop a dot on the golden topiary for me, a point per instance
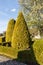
(9, 30)
(38, 50)
(20, 38)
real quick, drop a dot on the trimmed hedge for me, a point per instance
(20, 38)
(9, 51)
(9, 31)
(2, 39)
(38, 50)
(8, 44)
(23, 56)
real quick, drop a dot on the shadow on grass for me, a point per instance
(27, 56)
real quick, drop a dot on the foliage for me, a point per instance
(2, 39)
(8, 51)
(33, 32)
(9, 30)
(32, 9)
(21, 37)
(41, 30)
(38, 50)
(8, 44)
(24, 55)
(33, 24)
(33, 12)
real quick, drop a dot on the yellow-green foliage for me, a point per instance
(20, 38)
(9, 30)
(2, 39)
(38, 50)
(8, 51)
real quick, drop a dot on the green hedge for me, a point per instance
(20, 38)
(8, 44)
(9, 30)
(2, 39)
(20, 55)
(38, 50)
(8, 51)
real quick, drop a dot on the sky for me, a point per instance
(8, 10)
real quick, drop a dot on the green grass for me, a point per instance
(8, 51)
(38, 50)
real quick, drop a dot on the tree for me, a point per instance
(33, 9)
(21, 37)
(33, 12)
(9, 30)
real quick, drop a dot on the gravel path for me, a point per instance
(4, 58)
(12, 62)
(7, 61)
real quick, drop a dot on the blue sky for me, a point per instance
(8, 9)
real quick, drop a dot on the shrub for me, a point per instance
(10, 30)
(9, 52)
(8, 44)
(20, 38)
(2, 39)
(38, 51)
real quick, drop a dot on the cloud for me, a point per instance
(13, 10)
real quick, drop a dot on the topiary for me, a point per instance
(38, 51)
(20, 38)
(9, 30)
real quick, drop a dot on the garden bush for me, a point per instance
(2, 39)
(9, 30)
(9, 52)
(21, 37)
(38, 50)
(8, 44)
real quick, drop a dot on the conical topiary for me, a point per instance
(20, 38)
(9, 30)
